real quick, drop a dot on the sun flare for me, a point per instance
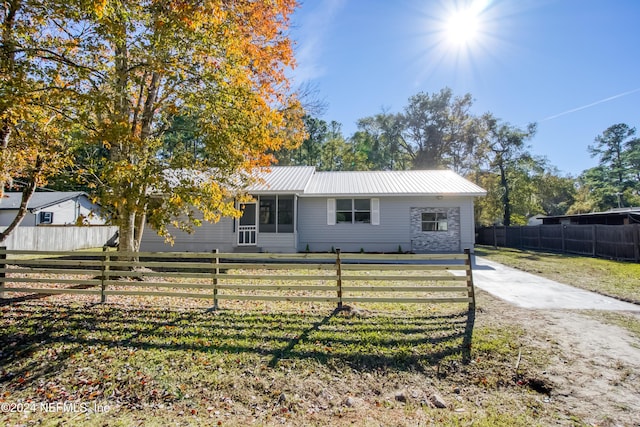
(464, 24)
(462, 27)
(461, 36)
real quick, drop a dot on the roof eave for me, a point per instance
(61, 200)
(393, 194)
(276, 192)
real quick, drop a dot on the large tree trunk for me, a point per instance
(506, 197)
(126, 222)
(139, 222)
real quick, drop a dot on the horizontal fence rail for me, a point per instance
(332, 277)
(620, 242)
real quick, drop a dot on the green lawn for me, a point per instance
(614, 278)
(303, 364)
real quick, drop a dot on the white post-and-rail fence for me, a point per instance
(328, 277)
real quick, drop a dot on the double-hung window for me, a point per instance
(353, 210)
(434, 221)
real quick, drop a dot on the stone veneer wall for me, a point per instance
(435, 241)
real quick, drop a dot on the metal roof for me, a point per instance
(39, 200)
(305, 181)
(414, 182)
(279, 179)
(611, 212)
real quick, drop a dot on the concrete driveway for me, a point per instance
(531, 291)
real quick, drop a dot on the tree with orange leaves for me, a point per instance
(33, 102)
(136, 66)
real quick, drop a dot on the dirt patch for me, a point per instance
(593, 368)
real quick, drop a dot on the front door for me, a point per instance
(247, 230)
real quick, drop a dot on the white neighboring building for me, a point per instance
(51, 208)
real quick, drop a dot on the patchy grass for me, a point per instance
(618, 279)
(628, 321)
(303, 364)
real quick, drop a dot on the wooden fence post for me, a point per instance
(3, 266)
(339, 273)
(636, 242)
(520, 239)
(470, 290)
(105, 269)
(495, 238)
(214, 281)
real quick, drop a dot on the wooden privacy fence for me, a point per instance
(605, 241)
(336, 278)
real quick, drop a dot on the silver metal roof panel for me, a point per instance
(39, 200)
(279, 179)
(414, 182)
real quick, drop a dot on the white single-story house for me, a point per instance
(298, 209)
(51, 208)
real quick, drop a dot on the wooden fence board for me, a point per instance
(161, 264)
(86, 282)
(274, 266)
(272, 277)
(402, 267)
(402, 257)
(28, 270)
(54, 291)
(277, 298)
(56, 262)
(404, 288)
(158, 294)
(408, 300)
(170, 274)
(278, 287)
(406, 278)
(157, 284)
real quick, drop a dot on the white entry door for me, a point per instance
(248, 228)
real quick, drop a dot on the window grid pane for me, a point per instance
(434, 221)
(362, 204)
(344, 210)
(344, 204)
(364, 217)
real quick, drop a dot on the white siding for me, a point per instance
(64, 213)
(220, 235)
(207, 237)
(277, 242)
(393, 232)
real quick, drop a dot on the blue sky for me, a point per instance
(572, 66)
